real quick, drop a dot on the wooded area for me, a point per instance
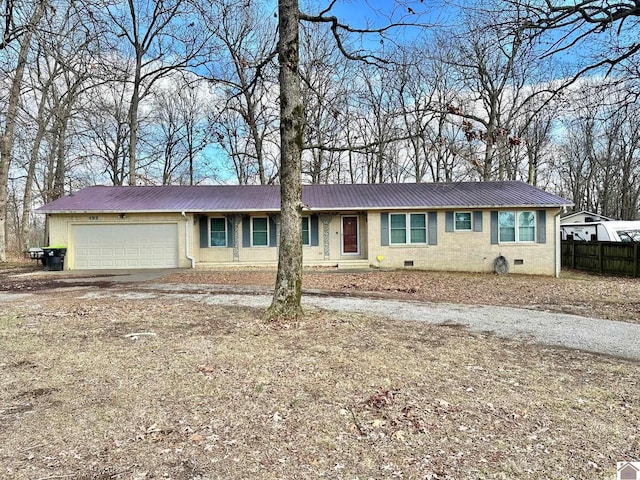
(187, 92)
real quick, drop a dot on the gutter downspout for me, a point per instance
(558, 240)
(187, 241)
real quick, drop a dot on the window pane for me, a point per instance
(398, 236)
(507, 226)
(418, 236)
(418, 220)
(218, 232)
(260, 232)
(398, 228)
(526, 227)
(507, 219)
(418, 228)
(463, 221)
(260, 239)
(260, 224)
(305, 231)
(398, 221)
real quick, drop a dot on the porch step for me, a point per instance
(342, 265)
(236, 265)
(356, 265)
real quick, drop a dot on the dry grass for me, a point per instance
(215, 393)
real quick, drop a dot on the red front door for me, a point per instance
(350, 235)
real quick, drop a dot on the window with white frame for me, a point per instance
(462, 221)
(407, 228)
(260, 232)
(306, 237)
(218, 232)
(516, 226)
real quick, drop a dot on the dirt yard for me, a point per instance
(134, 385)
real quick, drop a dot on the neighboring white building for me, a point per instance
(583, 217)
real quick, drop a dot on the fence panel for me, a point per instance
(614, 258)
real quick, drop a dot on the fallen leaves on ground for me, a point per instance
(218, 393)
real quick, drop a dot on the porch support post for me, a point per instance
(237, 222)
(326, 235)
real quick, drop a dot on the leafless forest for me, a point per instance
(143, 92)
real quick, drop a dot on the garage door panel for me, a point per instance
(125, 246)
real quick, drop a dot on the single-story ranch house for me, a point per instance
(436, 226)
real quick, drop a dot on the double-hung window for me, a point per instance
(218, 232)
(407, 228)
(516, 226)
(306, 237)
(462, 221)
(260, 232)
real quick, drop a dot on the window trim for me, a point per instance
(267, 231)
(516, 226)
(224, 222)
(455, 222)
(408, 229)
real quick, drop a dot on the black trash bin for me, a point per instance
(53, 258)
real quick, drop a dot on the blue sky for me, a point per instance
(380, 13)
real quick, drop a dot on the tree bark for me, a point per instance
(133, 118)
(288, 289)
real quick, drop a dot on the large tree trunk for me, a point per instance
(13, 104)
(133, 121)
(288, 290)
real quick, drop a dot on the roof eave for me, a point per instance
(307, 209)
(184, 210)
(437, 207)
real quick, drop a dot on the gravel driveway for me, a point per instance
(570, 331)
(601, 336)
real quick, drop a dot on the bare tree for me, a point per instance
(245, 78)
(503, 86)
(424, 87)
(601, 34)
(448, 158)
(288, 288)
(324, 73)
(181, 130)
(55, 81)
(46, 73)
(163, 38)
(106, 134)
(17, 20)
(600, 154)
(379, 123)
(13, 105)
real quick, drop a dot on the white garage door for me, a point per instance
(125, 246)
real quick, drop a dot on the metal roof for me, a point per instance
(266, 198)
